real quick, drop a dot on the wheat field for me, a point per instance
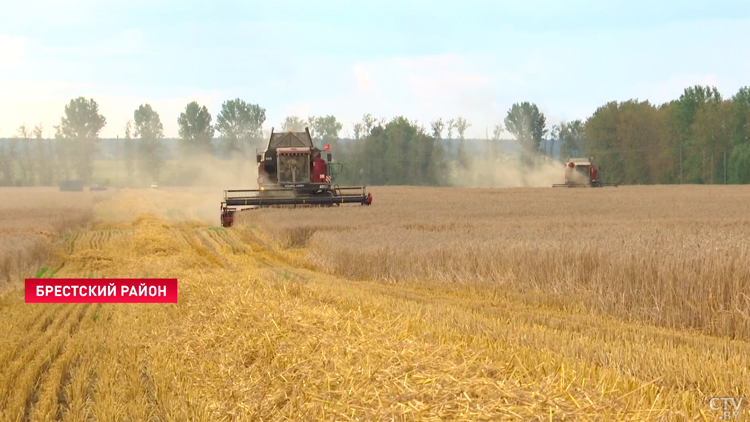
(432, 304)
(30, 221)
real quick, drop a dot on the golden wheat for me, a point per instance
(261, 333)
(31, 219)
(672, 256)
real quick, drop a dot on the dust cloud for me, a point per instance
(508, 172)
(201, 181)
(210, 172)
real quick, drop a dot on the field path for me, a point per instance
(261, 334)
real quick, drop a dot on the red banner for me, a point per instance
(101, 290)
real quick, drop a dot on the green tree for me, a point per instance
(6, 170)
(358, 130)
(529, 126)
(686, 109)
(195, 130)
(494, 146)
(571, 136)
(739, 163)
(741, 116)
(463, 156)
(293, 123)
(130, 152)
(327, 130)
(622, 137)
(240, 126)
(78, 135)
(26, 157)
(450, 126)
(712, 132)
(437, 127)
(44, 157)
(149, 131)
(396, 153)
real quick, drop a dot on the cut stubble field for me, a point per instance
(432, 304)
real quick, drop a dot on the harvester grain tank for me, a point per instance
(581, 172)
(292, 173)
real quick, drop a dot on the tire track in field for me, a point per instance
(33, 348)
(210, 249)
(66, 376)
(65, 380)
(70, 242)
(39, 324)
(42, 372)
(39, 317)
(40, 376)
(154, 406)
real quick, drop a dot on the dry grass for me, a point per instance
(261, 334)
(671, 256)
(30, 221)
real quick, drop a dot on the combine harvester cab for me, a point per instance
(580, 173)
(292, 173)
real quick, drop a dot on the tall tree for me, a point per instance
(741, 101)
(26, 159)
(462, 155)
(311, 124)
(327, 129)
(571, 136)
(686, 109)
(450, 125)
(368, 123)
(529, 126)
(240, 126)
(6, 170)
(437, 127)
(497, 132)
(358, 130)
(45, 168)
(130, 152)
(293, 123)
(78, 135)
(149, 131)
(195, 130)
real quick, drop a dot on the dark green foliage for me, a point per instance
(396, 153)
(149, 131)
(196, 130)
(529, 126)
(240, 126)
(78, 136)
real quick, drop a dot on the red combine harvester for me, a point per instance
(291, 173)
(581, 172)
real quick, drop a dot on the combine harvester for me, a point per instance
(581, 173)
(291, 173)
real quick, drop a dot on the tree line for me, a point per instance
(701, 137)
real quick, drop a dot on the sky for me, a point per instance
(420, 59)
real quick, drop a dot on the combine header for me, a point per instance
(580, 173)
(291, 173)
